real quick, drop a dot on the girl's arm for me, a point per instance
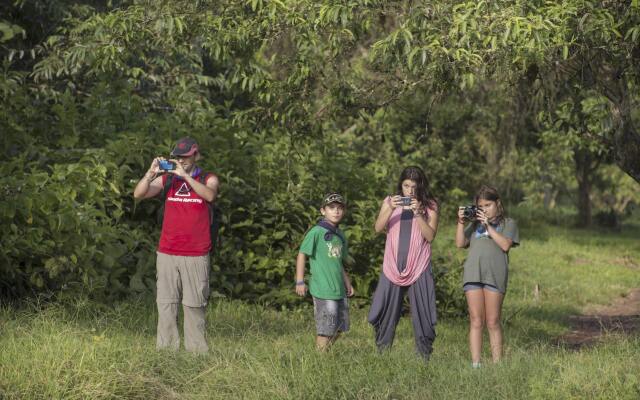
(461, 239)
(301, 288)
(502, 241)
(386, 209)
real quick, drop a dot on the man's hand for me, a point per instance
(154, 168)
(179, 171)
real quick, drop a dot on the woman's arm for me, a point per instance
(428, 224)
(386, 209)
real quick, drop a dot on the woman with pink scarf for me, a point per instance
(410, 220)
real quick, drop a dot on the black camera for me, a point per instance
(469, 212)
(406, 201)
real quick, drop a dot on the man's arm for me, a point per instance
(208, 191)
(150, 184)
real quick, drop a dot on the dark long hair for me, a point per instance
(423, 194)
(490, 193)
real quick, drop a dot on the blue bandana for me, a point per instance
(481, 231)
(331, 230)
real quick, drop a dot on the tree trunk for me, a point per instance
(584, 171)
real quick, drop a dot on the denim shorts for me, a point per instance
(332, 316)
(479, 285)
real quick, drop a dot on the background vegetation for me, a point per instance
(290, 99)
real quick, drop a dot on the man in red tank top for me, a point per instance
(183, 252)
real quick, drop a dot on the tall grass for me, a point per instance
(78, 349)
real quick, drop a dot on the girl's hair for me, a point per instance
(423, 194)
(490, 193)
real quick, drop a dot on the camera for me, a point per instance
(469, 212)
(166, 165)
(406, 201)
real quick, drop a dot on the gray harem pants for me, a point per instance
(182, 279)
(386, 310)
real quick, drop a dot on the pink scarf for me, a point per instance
(419, 256)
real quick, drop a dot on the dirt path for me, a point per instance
(623, 316)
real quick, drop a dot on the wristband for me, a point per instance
(298, 283)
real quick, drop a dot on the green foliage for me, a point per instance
(288, 99)
(65, 230)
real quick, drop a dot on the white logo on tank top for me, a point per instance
(183, 191)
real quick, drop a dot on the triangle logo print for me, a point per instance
(183, 191)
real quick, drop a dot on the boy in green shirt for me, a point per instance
(326, 247)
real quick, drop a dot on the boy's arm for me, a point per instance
(347, 283)
(301, 288)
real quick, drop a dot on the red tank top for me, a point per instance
(185, 225)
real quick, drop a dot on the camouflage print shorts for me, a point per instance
(332, 316)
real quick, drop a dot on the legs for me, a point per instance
(493, 308)
(385, 311)
(475, 302)
(187, 279)
(332, 318)
(422, 298)
(168, 290)
(194, 329)
(167, 333)
(484, 307)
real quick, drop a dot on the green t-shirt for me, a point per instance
(326, 258)
(487, 263)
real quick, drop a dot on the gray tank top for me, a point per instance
(406, 220)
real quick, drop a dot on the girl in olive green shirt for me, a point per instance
(489, 237)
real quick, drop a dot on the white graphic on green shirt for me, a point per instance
(335, 250)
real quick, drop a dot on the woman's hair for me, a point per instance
(423, 195)
(490, 193)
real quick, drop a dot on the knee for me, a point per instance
(493, 324)
(476, 322)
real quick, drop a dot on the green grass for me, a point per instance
(83, 350)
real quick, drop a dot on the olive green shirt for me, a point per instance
(487, 263)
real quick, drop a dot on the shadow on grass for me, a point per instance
(538, 324)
